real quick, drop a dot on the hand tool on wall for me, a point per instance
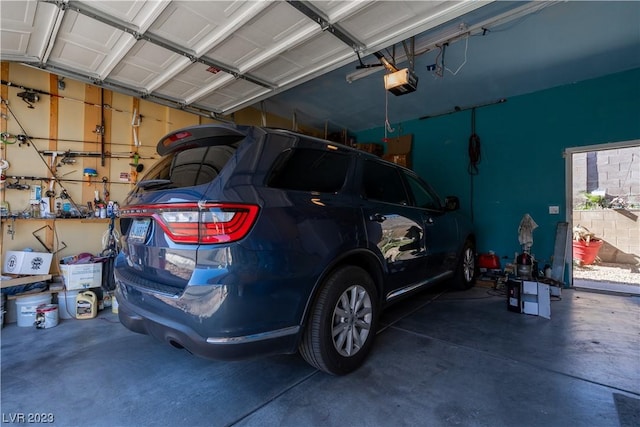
(47, 248)
(105, 191)
(88, 174)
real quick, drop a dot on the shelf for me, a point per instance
(23, 280)
(82, 220)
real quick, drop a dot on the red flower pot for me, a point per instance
(586, 252)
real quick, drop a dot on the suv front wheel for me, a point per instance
(343, 322)
(465, 274)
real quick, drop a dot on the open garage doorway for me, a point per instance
(603, 197)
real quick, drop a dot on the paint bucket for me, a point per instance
(86, 305)
(27, 306)
(46, 316)
(67, 304)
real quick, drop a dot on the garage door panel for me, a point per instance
(191, 82)
(198, 25)
(228, 96)
(139, 13)
(156, 61)
(399, 20)
(25, 28)
(274, 30)
(316, 54)
(89, 45)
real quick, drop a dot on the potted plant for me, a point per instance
(585, 245)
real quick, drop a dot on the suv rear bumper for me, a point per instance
(280, 341)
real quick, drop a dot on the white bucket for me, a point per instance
(67, 304)
(27, 306)
(46, 316)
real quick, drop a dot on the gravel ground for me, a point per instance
(628, 274)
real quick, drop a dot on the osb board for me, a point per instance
(400, 145)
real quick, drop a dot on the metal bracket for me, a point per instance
(50, 250)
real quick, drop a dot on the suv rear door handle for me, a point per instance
(377, 217)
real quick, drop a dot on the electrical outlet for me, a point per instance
(554, 210)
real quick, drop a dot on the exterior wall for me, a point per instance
(620, 230)
(616, 171)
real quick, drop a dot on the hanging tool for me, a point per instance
(50, 250)
(474, 146)
(474, 158)
(4, 165)
(105, 192)
(89, 173)
(11, 229)
(102, 129)
(137, 168)
(50, 192)
(16, 185)
(30, 97)
(135, 124)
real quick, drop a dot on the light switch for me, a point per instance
(554, 210)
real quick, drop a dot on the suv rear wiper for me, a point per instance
(154, 183)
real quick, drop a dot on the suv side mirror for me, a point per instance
(451, 203)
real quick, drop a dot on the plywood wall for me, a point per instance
(71, 119)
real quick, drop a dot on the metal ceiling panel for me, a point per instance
(228, 97)
(189, 82)
(89, 46)
(398, 20)
(336, 10)
(145, 63)
(193, 82)
(138, 14)
(25, 29)
(318, 52)
(275, 29)
(220, 56)
(199, 25)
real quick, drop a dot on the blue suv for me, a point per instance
(248, 241)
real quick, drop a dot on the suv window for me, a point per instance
(306, 169)
(187, 168)
(199, 165)
(423, 197)
(383, 183)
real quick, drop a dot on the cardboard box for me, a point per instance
(21, 262)
(400, 145)
(398, 159)
(81, 276)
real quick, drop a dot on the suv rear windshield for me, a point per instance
(305, 169)
(187, 168)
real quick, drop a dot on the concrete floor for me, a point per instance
(442, 359)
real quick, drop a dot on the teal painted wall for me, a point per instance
(522, 169)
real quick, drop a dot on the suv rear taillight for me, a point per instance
(199, 222)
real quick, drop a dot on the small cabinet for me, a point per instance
(529, 297)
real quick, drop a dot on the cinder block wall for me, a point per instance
(620, 229)
(616, 171)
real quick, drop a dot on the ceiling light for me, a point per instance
(401, 82)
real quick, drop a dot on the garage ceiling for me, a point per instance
(216, 57)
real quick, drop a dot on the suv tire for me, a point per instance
(465, 274)
(343, 322)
